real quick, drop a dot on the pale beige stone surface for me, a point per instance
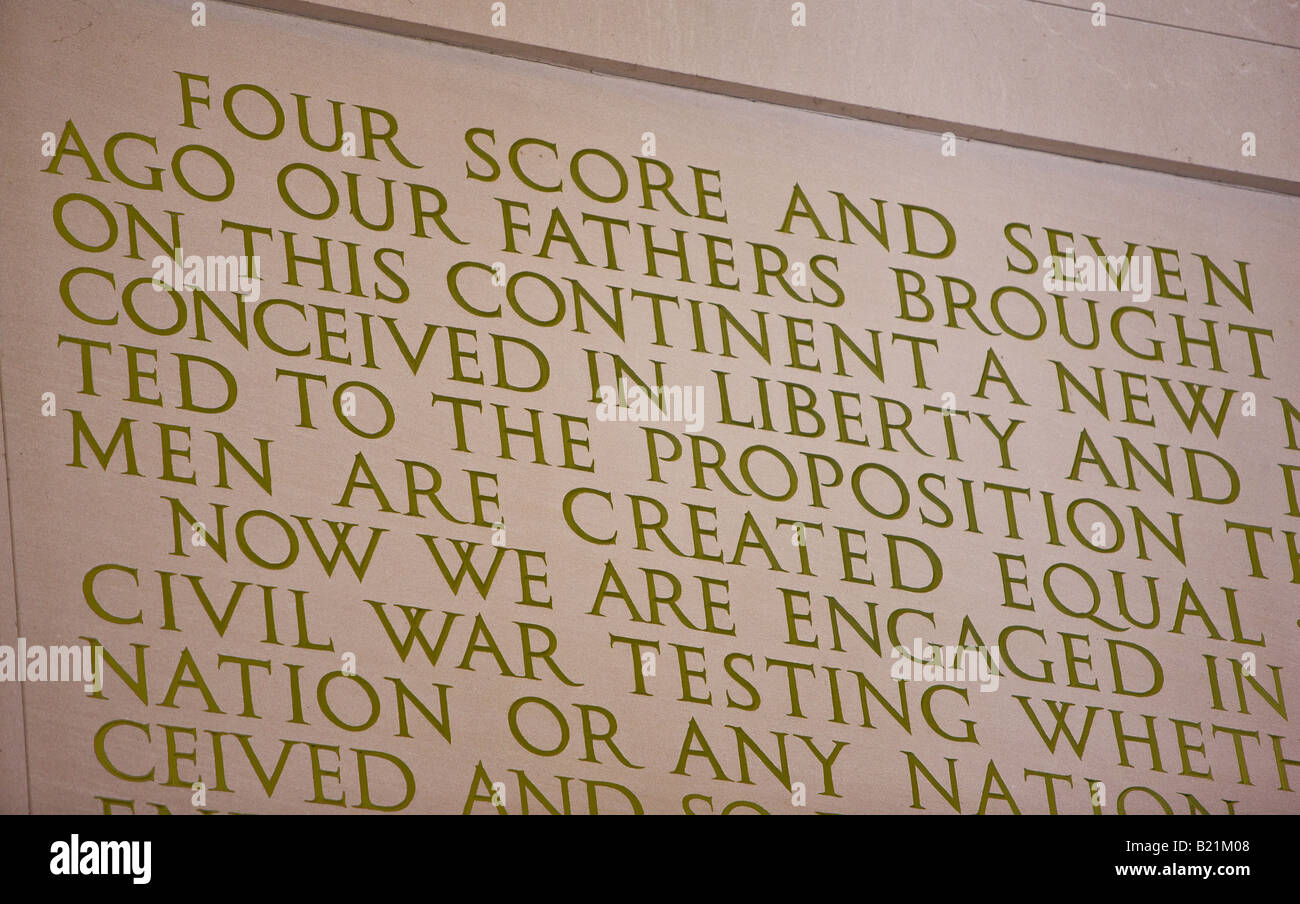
(110, 66)
(1164, 96)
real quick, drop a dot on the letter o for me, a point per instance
(389, 417)
(512, 296)
(575, 171)
(133, 314)
(247, 550)
(1038, 310)
(179, 174)
(322, 697)
(1119, 800)
(62, 227)
(282, 184)
(904, 500)
(749, 479)
(229, 104)
(555, 713)
(1110, 515)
